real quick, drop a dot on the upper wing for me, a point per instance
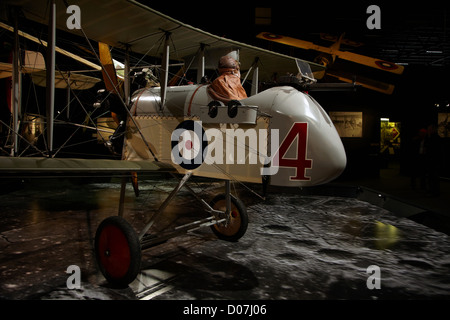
(33, 63)
(65, 78)
(120, 23)
(350, 56)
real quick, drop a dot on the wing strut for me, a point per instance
(126, 81)
(201, 63)
(16, 85)
(51, 75)
(118, 93)
(165, 70)
(255, 79)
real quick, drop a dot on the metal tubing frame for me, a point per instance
(228, 197)
(201, 63)
(16, 85)
(165, 71)
(205, 205)
(165, 204)
(215, 218)
(149, 241)
(122, 196)
(126, 82)
(50, 97)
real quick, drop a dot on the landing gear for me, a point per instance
(118, 251)
(118, 248)
(236, 221)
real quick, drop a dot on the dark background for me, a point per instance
(414, 34)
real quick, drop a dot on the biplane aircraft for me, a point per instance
(328, 55)
(278, 136)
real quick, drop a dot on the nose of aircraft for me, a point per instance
(308, 140)
(328, 153)
(327, 146)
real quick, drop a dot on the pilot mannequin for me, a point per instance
(227, 86)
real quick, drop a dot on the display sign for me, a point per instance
(348, 124)
(443, 125)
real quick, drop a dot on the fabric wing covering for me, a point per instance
(126, 22)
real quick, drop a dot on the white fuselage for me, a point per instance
(281, 127)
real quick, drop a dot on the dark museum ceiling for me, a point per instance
(415, 35)
(412, 34)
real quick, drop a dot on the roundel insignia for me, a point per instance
(386, 65)
(189, 144)
(271, 36)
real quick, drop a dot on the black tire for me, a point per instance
(239, 219)
(213, 108)
(233, 108)
(118, 251)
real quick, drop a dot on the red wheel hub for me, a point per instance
(114, 251)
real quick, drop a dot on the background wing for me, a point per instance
(346, 55)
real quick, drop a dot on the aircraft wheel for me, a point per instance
(238, 224)
(118, 251)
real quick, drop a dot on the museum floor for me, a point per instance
(315, 243)
(392, 183)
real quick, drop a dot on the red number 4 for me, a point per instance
(298, 130)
